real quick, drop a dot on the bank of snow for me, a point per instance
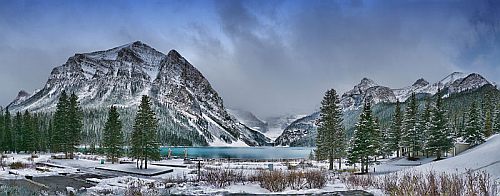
(485, 157)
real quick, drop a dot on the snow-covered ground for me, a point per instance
(485, 157)
(183, 179)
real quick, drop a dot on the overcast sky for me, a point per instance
(268, 57)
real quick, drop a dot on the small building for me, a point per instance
(458, 148)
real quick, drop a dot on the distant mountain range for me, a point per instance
(271, 127)
(302, 132)
(189, 109)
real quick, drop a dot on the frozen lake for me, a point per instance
(261, 153)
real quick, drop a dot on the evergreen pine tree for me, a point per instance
(394, 135)
(145, 144)
(425, 124)
(74, 116)
(113, 135)
(440, 138)
(331, 133)
(60, 128)
(410, 136)
(18, 132)
(474, 134)
(496, 121)
(364, 142)
(9, 143)
(2, 131)
(28, 137)
(487, 109)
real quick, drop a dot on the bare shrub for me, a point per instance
(274, 181)
(17, 165)
(315, 179)
(295, 179)
(219, 177)
(428, 184)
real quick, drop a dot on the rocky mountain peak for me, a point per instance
(22, 93)
(420, 82)
(189, 108)
(367, 82)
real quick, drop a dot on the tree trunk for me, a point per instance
(340, 163)
(397, 153)
(330, 160)
(366, 165)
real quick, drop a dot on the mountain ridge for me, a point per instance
(184, 99)
(302, 131)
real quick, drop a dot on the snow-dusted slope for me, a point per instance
(272, 127)
(248, 119)
(185, 100)
(276, 125)
(302, 129)
(21, 96)
(483, 157)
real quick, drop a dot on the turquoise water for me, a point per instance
(261, 153)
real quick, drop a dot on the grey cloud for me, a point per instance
(269, 57)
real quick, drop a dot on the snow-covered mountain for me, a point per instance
(303, 130)
(271, 127)
(21, 96)
(367, 89)
(187, 106)
(249, 119)
(276, 125)
(300, 132)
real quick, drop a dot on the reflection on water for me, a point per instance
(240, 152)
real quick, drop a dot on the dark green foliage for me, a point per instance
(74, 116)
(2, 131)
(28, 134)
(331, 137)
(496, 121)
(474, 134)
(60, 128)
(425, 124)
(394, 134)
(67, 125)
(410, 138)
(145, 144)
(440, 137)
(488, 110)
(17, 131)
(113, 135)
(365, 142)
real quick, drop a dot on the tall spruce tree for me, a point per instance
(364, 142)
(488, 109)
(474, 134)
(496, 121)
(9, 143)
(74, 116)
(113, 135)
(411, 136)
(60, 127)
(394, 135)
(28, 133)
(440, 138)
(2, 131)
(145, 144)
(18, 132)
(331, 133)
(425, 124)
